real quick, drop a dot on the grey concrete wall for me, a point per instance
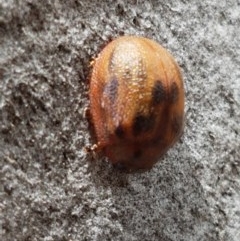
(49, 187)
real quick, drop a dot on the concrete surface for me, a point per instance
(50, 189)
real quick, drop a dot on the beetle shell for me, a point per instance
(136, 102)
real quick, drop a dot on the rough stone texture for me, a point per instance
(49, 188)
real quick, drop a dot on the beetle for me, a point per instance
(136, 102)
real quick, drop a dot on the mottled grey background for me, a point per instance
(49, 187)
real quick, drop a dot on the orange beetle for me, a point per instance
(136, 102)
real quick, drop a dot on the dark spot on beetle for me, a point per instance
(142, 124)
(111, 89)
(177, 123)
(119, 131)
(137, 154)
(174, 92)
(158, 93)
